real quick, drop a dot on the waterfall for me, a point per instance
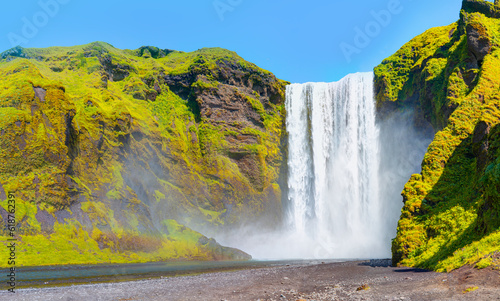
(334, 166)
(345, 175)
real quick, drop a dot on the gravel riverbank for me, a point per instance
(361, 280)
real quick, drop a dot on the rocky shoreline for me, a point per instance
(358, 280)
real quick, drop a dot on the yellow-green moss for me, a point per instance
(442, 225)
(470, 289)
(93, 137)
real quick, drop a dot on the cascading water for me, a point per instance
(333, 167)
(346, 173)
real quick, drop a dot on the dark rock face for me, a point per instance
(115, 72)
(265, 84)
(224, 98)
(40, 93)
(481, 144)
(478, 42)
(226, 104)
(46, 221)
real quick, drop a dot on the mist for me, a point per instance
(403, 147)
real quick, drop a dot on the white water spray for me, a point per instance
(333, 166)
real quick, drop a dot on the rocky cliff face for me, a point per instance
(450, 76)
(111, 154)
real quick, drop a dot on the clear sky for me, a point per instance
(298, 40)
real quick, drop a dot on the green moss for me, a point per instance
(484, 263)
(69, 244)
(211, 137)
(256, 105)
(25, 213)
(213, 217)
(205, 60)
(159, 196)
(205, 85)
(394, 72)
(117, 139)
(470, 289)
(10, 115)
(449, 218)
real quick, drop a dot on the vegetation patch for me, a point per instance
(102, 145)
(450, 217)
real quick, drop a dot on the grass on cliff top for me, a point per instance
(178, 63)
(175, 62)
(394, 71)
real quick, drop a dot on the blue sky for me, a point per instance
(299, 41)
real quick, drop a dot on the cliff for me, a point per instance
(450, 77)
(115, 155)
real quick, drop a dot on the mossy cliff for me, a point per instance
(112, 154)
(450, 76)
